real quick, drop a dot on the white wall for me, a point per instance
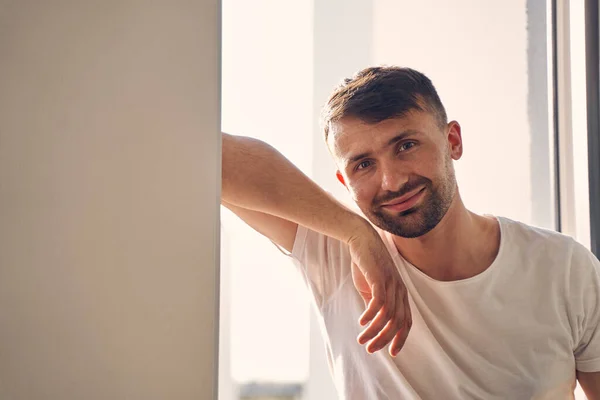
(109, 176)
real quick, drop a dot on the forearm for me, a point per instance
(255, 176)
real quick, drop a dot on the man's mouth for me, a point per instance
(404, 202)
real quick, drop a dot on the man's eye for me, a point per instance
(363, 165)
(406, 146)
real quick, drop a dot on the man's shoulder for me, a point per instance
(530, 236)
(547, 245)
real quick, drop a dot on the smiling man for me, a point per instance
(500, 309)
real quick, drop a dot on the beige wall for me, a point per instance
(109, 172)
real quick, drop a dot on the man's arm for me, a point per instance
(273, 196)
(279, 230)
(257, 177)
(590, 383)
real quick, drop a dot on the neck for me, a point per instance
(448, 252)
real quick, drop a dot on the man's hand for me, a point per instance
(378, 281)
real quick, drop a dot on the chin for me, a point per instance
(407, 224)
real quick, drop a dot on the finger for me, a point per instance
(377, 301)
(384, 337)
(376, 326)
(383, 317)
(394, 322)
(400, 338)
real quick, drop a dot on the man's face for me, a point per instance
(399, 171)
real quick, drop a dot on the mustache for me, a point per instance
(408, 187)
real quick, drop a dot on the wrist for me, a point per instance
(359, 228)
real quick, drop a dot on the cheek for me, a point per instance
(362, 193)
(435, 167)
(445, 167)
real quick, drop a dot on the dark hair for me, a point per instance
(379, 93)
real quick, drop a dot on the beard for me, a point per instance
(420, 219)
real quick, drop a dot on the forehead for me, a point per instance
(351, 136)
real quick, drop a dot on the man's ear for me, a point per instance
(340, 178)
(455, 140)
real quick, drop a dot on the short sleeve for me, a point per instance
(324, 262)
(585, 305)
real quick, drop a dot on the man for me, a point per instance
(499, 309)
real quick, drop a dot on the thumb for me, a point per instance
(374, 303)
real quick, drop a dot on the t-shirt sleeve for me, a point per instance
(585, 302)
(324, 263)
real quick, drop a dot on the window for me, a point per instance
(280, 62)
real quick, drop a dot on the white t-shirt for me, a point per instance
(518, 330)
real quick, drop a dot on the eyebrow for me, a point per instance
(399, 137)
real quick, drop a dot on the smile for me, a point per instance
(405, 202)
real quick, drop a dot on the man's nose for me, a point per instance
(392, 179)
